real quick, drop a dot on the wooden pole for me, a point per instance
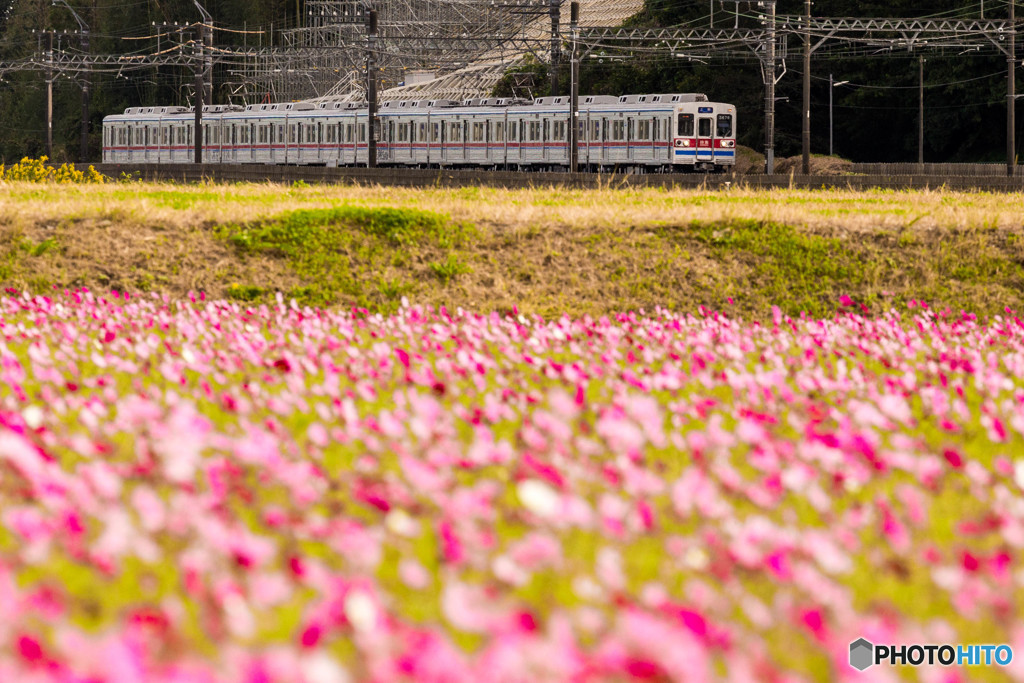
(807, 90)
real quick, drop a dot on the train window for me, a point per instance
(330, 134)
(656, 123)
(453, 132)
(618, 130)
(546, 128)
(293, 132)
(402, 133)
(724, 129)
(499, 131)
(362, 132)
(685, 128)
(421, 136)
(704, 127)
(478, 132)
(512, 128)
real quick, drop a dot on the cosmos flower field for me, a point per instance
(199, 490)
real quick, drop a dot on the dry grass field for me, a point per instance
(543, 250)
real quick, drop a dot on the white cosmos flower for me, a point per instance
(539, 498)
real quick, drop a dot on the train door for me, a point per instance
(487, 141)
(705, 137)
(503, 124)
(429, 137)
(442, 136)
(585, 138)
(545, 138)
(630, 137)
(355, 145)
(339, 143)
(604, 139)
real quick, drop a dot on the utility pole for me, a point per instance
(83, 40)
(1011, 97)
(208, 63)
(574, 90)
(49, 95)
(204, 76)
(920, 113)
(371, 90)
(832, 85)
(84, 154)
(807, 89)
(769, 90)
(556, 43)
(198, 137)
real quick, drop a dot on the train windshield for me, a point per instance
(724, 126)
(704, 128)
(685, 125)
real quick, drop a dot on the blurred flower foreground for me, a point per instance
(200, 491)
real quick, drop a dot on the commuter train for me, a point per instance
(632, 133)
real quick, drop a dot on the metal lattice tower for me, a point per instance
(466, 44)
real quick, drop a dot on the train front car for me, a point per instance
(705, 137)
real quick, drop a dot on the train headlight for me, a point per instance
(728, 143)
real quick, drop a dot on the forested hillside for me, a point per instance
(875, 114)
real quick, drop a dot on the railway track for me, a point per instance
(407, 177)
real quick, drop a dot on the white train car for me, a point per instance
(638, 133)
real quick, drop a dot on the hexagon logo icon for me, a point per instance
(862, 654)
